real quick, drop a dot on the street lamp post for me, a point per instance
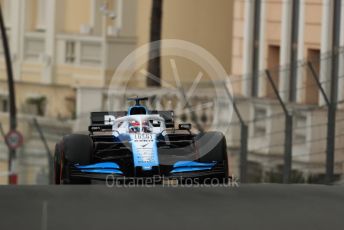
(154, 65)
(12, 107)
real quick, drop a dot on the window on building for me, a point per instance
(34, 47)
(311, 92)
(36, 105)
(70, 52)
(300, 124)
(274, 67)
(90, 53)
(260, 114)
(3, 103)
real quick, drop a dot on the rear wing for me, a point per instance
(102, 121)
(105, 118)
(167, 115)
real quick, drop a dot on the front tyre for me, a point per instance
(72, 149)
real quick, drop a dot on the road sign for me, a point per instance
(14, 139)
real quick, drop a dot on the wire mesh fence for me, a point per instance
(308, 131)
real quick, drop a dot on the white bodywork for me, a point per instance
(142, 137)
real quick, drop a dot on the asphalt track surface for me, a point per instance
(244, 207)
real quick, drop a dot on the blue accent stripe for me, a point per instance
(105, 171)
(190, 169)
(182, 164)
(102, 165)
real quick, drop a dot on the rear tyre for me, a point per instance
(73, 149)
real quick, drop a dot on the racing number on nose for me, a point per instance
(143, 136)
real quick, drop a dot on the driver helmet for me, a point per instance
(146, 127)
(134, 127)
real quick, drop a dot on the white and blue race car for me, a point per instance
(137, 145)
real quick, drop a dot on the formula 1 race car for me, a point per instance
(138, 145)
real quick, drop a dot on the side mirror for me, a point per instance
(185, 126)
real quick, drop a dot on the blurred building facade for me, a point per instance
(65, 52)
(314, 42)
(58, 47)
(66, 44)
